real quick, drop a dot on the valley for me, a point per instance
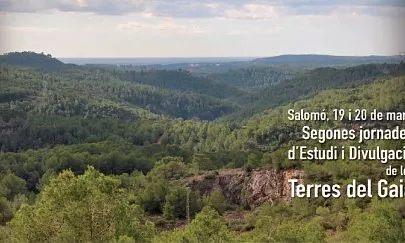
(152, 154)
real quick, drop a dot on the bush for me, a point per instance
(176, 203)
(217, 201)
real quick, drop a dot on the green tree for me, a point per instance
(254, 160)
(169, 168)
(207, 227)
(175, 205)
(152, 198)
(89, 207)
(6, 211)
(216, 200)
(12, 185)
(202, 162)
(176, 202)
(381, 223)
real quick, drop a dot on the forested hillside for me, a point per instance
(327, 60)
(256, 78)
(33, 60)
(314, 81)
(181, 80)
(105, 155)
(91, 86)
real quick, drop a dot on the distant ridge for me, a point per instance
(33, 60)
(43, 61)
(327, 60)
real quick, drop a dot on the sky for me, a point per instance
(202, 28)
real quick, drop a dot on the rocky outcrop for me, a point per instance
(248, 188)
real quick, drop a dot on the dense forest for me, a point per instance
(107, 154)
(255, 78)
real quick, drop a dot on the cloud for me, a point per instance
(168, 26)
(29, 29)
(391, 8)
(107, 7)
(255, 31)
(233, 9)
(186, 9)
(252, 12)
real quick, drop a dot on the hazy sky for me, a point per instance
(185, 28)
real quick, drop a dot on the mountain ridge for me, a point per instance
(327, 60)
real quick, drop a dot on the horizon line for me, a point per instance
(265, 56)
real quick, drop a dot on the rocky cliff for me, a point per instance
(248, 188)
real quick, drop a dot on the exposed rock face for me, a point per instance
(248, 188)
